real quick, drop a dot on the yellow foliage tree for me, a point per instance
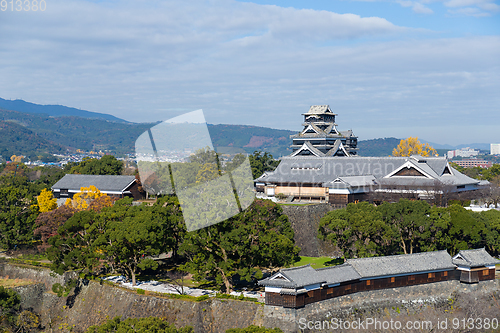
(46, 201)
(412, 146)
(16, 159)
(82, 200)
(207, 172)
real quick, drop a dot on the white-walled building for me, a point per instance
(495, 148)
(463, 152)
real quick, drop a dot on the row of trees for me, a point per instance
(20, 187)
(362, 229)
(125, 238)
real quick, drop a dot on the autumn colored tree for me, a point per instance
(46, 201)
(412, 146)
(47, 224)
(82, 199)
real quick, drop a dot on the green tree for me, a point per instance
(18, 212)
(10, 305)
(260, 236)
(132, 235)
(167, 211)
(74, 245)
(106, 165)
(408, 219)
(139, 325)
(358, 230)
(260, 162)
(468, 230)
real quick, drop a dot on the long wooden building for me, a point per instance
(296, 287)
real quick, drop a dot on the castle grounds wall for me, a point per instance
(305, 222)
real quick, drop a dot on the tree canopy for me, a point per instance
(106, 165)
(408, 227)
(412, 146)
(260, 236)
(260, 162)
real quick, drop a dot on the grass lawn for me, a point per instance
(10, 283)
(318, 262)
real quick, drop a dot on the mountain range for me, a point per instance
(33, 130)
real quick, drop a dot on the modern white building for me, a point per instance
(463, 152)
(495, 148)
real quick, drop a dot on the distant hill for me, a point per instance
(233, 138)
(18, 140)
(377, 147)
(54, 110)
(79, 133)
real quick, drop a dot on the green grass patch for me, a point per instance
(318, 262)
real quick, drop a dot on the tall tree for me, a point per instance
(46, 201)
(358, 230)
(260, 236)
(106, 165)
(412, 146)
(408, 219)
(18, 211)
(132, 235)
(260, 162)
(47, 224)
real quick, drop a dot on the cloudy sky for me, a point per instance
(427, 68)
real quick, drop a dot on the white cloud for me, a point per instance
(245, 63)
(421, 9)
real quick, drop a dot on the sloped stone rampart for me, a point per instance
(305, 222)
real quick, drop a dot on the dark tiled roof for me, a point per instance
(321, 170)
(338, 274)
(297, 276)
(474, 258)
(103, 183)
(402, 264)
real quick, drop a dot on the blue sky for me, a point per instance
(426, 68)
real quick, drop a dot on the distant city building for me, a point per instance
(473, 162)
(463, 152)
(495, 148)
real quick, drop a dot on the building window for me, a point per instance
(393, 279)
(430, 275)
(411, 278)
(486, 272)
(445, 273)
(368, 282)
(310, 293)
(329, 291)
(348, 287)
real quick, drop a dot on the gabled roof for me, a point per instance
(295, 277)
(103, 183)
(402, 264)
(362, 268)
(319, 109)
(307, 146)
(474, 258)
(322, 169)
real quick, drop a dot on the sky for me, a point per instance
(388, 68)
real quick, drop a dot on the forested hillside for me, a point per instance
(119, 138)
(18, 140)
